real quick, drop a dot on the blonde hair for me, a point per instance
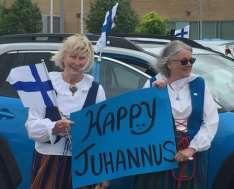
(77, 44)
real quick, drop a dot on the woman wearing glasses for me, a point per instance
(195, 121)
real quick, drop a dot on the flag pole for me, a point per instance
(61, 16)
(200, 18)
(81, 16)
(47, 73)
(55, 99)
(51, 15)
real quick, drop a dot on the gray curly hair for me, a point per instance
(77, 44)
(167, 53)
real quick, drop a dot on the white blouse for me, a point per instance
(40, 128)
(180, 99)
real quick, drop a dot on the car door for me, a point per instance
(116, 78)
(13, 116)
(12, 113)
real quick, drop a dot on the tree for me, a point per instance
(21, 17)
(152, 23)
(3, 20)
(126, 19)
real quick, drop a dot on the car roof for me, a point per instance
(163, 40)
(217, 44)
(157, 50)
(143, 59)
(159, 39)
(28, 46)
(113, 41)
(42, 40)
(55, 46)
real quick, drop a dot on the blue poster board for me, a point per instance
(126, 135)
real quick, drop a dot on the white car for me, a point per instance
(215, 68)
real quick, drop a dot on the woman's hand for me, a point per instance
(184, 155)
(102, 185)
(62, 126)
(160, 83)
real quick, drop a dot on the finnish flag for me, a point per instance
(33, 85)
(183, 32)
(107, 25)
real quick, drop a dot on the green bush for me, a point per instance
(152, 23)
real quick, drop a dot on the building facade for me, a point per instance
(207, 18)
(66, 14)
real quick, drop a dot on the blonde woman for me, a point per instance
(50, 127)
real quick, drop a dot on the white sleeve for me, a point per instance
(202, 140)
(38, 127)
(100, 94)
(147, 84)
(159, 76)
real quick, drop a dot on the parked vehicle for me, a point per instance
(218, 72)
(116, 77)
(217, 69)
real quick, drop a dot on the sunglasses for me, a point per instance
(185, 61)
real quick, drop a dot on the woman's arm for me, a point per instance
(202, 140)
(38, 127)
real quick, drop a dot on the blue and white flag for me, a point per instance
(107, 25)
(33, 85)
(183, 32)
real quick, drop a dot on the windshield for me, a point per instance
(219, 75)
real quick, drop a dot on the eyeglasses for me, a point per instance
(185, 61)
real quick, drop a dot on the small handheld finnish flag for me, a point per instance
(33, 85)
(183, 32)
(107, 25)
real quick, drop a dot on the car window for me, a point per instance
(115, 78)
(13, 59)
(219, 75)
(37, 57)
(7, 61)
(118, 78)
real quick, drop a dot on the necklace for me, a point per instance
(73, 89)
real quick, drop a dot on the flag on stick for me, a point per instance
(107, 25)
(33, 85)
(183, 32)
